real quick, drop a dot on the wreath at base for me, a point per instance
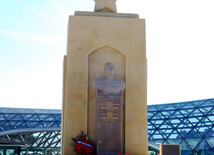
(82, 145)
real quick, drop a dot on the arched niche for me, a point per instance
(96, 61)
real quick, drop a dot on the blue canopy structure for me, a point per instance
(35, 130)
(190, 124)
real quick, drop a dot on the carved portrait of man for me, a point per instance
(108, 84)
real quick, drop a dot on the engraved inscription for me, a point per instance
(110, 111)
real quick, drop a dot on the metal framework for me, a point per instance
(38, 131)
(189, 124)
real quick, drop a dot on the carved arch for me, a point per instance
(96, 61)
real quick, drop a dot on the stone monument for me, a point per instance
(95, 38)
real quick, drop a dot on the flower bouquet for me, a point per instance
(82, 145)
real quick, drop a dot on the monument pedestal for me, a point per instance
(109, 124)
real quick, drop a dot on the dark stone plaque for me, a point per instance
(109, 124)
(170, 149)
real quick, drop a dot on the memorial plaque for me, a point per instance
(170, 149)
(109, 124)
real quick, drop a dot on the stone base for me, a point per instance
(109, 125)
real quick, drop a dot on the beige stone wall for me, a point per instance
(93, 41)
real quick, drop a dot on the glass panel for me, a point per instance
(208, 103)
(202, 145)
(210, 141)
(185, 146)
(196, 112)
(211, 118)
(193, 134)
(47, 124)
(17, 117)
(188, 105)
(161, 106)
(6, 126)
(205, 109)
(174, 141)
(157, 135)
(158, 116)
(34, 118)
(169, 107)
(39, 125)
(186, 111)
(202, 130)
(179, 105)
(197, 103)
(55, 125)
(16, 123)
(150, 114)
(1, 151)
(210, 133)
(177, 114)
(10, 151)
(193, 120)
(31, 124)
(166, 125)
(58, 117)
(193, 142)
(21, 125)
(27, 116)
(167, 113)
(2, 117)
(48, 118)
(43, 116)
(9, 116)
(174, 135)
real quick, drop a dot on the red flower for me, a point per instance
(84, 149)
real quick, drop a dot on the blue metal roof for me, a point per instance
(190, 124)
(32, 128)
(22, 118)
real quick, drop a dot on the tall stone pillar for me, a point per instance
(95, 38)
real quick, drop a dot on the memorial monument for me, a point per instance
(109, 112)
(105, 81)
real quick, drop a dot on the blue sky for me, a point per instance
(180, 47)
